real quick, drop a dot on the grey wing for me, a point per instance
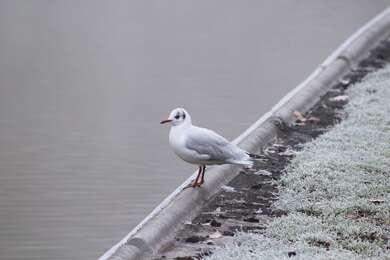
(207, 142)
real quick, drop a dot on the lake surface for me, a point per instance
(83, 86)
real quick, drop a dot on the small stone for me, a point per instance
(218, 210)
(228, 233)
(251, 219)
(226, 188)
(263, 172)
(184, 258)
(288, 152)
(345, 81)
(240, 201)
(215, 223)
(376, 200)
(194, 239)
(341, 98)
(215, 235)
(207, 221)
(256, 186)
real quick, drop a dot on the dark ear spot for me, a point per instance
(177, 116)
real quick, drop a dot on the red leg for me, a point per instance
(197, 177)
(203, 171)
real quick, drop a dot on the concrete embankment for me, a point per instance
(183, 205)
(334, 192)
(329, 166)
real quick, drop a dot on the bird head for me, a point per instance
(178, 116)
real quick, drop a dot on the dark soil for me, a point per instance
(247, 203)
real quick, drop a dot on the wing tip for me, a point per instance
(255, 156)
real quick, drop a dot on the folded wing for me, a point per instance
(207, 142)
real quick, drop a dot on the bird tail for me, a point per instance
(247, 162)
(255, 159)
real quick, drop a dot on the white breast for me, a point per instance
(177, 138)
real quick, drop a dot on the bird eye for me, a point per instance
(177, 116)
(184, 116)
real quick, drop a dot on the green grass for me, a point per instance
(336, 190)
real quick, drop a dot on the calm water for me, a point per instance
(83, 86)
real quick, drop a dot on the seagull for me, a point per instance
(203, 146)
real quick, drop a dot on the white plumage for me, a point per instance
(202, 146)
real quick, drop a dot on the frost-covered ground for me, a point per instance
(336, 190)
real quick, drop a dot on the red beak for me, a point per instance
(165, 121)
